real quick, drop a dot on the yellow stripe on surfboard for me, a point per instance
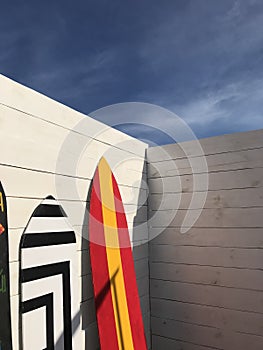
(120, 306)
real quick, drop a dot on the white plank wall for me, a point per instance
(206, 285)
(50, 149)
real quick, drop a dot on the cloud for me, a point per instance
(236, 107)
(199, 59)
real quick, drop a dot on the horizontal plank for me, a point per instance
(211, 237)
(142, 268)
(82, 243)
(26, 147)
(237, 321)
(159, 342)
(35, 184)
(212, 145)
(229, 298)
(215, 181)
(21, 209)
(205, 336)
(232, 198)
(220, 217)
(141, 251)
(88, 313)
(223, 167)
(140, 232)
(208, 275)
(91, 337)
(31, 102)
(216, 162)
(208, 256)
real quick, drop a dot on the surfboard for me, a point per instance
(117, 302)
(5, 324)
(49, 280)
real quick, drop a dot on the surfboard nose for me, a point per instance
(104, 166)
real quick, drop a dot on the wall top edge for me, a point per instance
(233, 137)
(25, 99)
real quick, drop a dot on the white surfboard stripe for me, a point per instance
(50, 202)
(50, 224)
(37, 321)
(40, 287)
(47, 255)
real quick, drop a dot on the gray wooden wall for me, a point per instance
(206, 285)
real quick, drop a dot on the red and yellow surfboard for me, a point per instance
(116, 294)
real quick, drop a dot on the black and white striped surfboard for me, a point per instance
(49, 280)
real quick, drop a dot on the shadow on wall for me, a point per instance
(140, 239)
(87, 306)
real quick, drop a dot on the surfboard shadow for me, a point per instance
(101, 296)
(87, 307)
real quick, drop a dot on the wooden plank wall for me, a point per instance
(206, 285)
(50, 149)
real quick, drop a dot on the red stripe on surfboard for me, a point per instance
(129, 275)
(100, 273)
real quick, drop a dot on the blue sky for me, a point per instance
(200, 59)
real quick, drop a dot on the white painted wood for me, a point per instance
(237, 321)
(50, 149)
(208, 337)
(220, 217)
(31, 102)
(242, 278)
(211, 145)
(160, 342)
(39, 342)
(222, 161)
(33, 290)
(217, 181)
(76, 212)
(36, 185)
(232, 198)
(210, 237)
(234, 299)
(208, 256)
(206, 285)
(54, 150)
